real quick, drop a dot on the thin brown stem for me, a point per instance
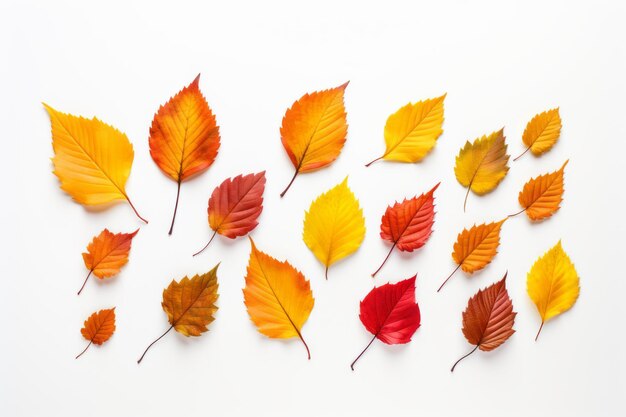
(527, 149)
(81, 288)
(515, 214)
(450, 276)
(135, 210)
(381, 265)
(207, 245)
(540, 327)
(84, 350)
(290, 182)
(377, 159)
(362, 352)
(175, 208)
(326, 273)
(150, 345)
(308, 352)
(466, 195)
(463, 357)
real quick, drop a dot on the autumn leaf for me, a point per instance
(488, 319)
(475, 248)
(107, 254)
(235, 205)
(390, 313)
(409, 224)
(542, 132)
(277, 296)
(184, 137)
(314, 130)
(334, 226)
(553, 284)
(480, 166)
(541, 197)
(98, 328)
(91, 159)
(190, 305)
(412, 132)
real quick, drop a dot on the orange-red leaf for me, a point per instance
(184, 137)
(107, 254)
(541, 197)
(409, 224)
(314, 130)
(98, 328)
(488, 319)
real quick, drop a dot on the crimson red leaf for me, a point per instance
(390, 313)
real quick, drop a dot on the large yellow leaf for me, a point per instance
(542, 132)
(553, 284)
(412, 131)
(91, 159)
(314, 130)
(334, 226)
(278, 297)
(480, 166)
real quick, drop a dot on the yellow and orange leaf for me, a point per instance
(542, 132)
(184, 137)
(91, 159)
(314, 130)
(98, 328)
(277, 296)
(541, 197)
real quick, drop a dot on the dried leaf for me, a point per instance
(91, 159)
(390, 313)
(334, 226)
(541, 197)
(542, 132)
(314, 130)
(184, 137)
(277, 296)
(98, 328)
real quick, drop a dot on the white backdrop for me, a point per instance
(500, 64)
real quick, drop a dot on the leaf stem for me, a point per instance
(377, 159)
(515, 214)
(361, 354)
(85, 350)
(527, 149)
(326, 273)
(466, 195)
(290, 182)
(207, 245)
(463, 357)
(308, 352)
(450, 276)
(150, 345)
(135, 210)
(381, 265)
(175, 208)
(81, 288)
(540, 327)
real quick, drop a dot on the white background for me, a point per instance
(499, 62)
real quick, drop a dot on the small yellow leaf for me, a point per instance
(334, 226)
(480, 166)
(553, 284)
(411, 132)
(542, 132)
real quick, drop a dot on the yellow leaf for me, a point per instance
(411, 132)
(314, 130)
(553, 284)
(480, 166)
(542, 132)
(278, 297)
(334, 226)
(91, 159)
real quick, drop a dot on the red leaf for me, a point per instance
(488, 319)
(390, 313)
(408, 225)
(235, 205)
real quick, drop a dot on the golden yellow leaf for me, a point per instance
(553, 284)
(91, 159)
(412, 131)
(541, 197)
(334, 226)
(278, 297)
(480, 166)
(314, 130)
(542, 132)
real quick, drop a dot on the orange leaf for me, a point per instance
(488, 319)
(314, 130)
(98, 328)
(107, 254)
(190, 305)
(184, 137)
(541, 197)
(408, 225)
(235, 205)
(475, 248)
(542, 132)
